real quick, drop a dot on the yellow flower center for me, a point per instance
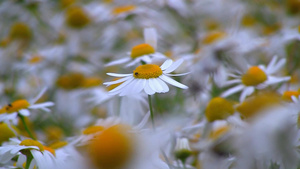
(111, 87)
(20, 31)
(52, 151)
(6, 133)
(30, 142)
(248, 21)
(112, 148)
(76, 17)
(253, 105)
(122, 9)
(287, 95)
(219, 132)
(142, 49)
(15, 106)
(58, 144)
(213, 37)
(254, 76)
(147, 71)
(70, 81)
(92, 130)
(91, 82)
(35, 59)
(218, 108)
(54, 133)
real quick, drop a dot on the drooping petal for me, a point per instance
(148, 89)
(172, 82)
(163, 85)
(117, 81)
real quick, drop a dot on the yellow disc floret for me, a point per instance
(92, 130)
(142, 49)
(147, 71)
(58, 144)
(255, 104)
(112, 148)
(6, 133)
(15, 106)
(218, 108)
(216, 134)
(213, 37)
(254, 76)
(76, 17)
(287, 95)
(123, 9)
(30, 142)
(20, 31)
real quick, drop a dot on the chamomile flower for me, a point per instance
(145, 52)
(42, 156)
(149, 77)
(10, 111)
(256, 77)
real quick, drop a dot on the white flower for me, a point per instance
(150, 78)
(257, 77)
(10, 111)
(42, 158)
(145, 52)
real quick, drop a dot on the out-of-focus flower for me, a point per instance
(40, 155)
(10, 111)
(256, 77)
(150, 78)
(218, 109)
(145, 53)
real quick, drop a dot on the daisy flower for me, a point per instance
(149, 77)
(145, 52)
(256, 77)
(10, 111)
(42, 156)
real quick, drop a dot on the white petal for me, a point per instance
(150, 37)
(130, 88)
(118, 75)
(163, 85)
(121, 85)
(25, 112)
(117, 81)
(148, 89)
(143, 122)
(155, 85)
(39, 95)
(21, 160)
(119, 61)
(246, 92)
(276, 67)
(172, 82)
(272, 80)
(174, 66)
(231, 82)
(166, 64)
(41, 105)
(180, 74)
(272, 63)
(232, 90)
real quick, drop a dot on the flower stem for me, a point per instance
(151, 111)
(25, 126)
(28, 161)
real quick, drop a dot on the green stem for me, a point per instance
(25, 125)
(151, 111)
(28, 161)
